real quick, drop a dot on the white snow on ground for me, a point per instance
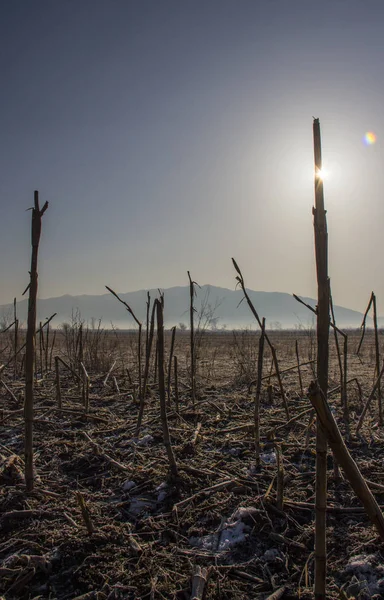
(269, 458)
(233, 532)
(128, 485)
(367, 576)
(230, 536)
(163, 491)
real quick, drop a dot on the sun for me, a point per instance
(322, 174)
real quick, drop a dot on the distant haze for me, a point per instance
(170, 135)
(216, 308)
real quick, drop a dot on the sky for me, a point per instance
(171, 135)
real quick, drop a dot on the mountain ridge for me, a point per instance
(218, 306)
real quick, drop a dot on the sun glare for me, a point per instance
(322, 174)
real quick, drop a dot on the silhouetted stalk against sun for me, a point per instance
(30, 342)
(377, 352)
(170, 365)
(139, 340)
(258, 392)
(321, 253)
(163, 408)
(240, 281)
(192, 339)
(146, 372)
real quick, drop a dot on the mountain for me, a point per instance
(220, 306)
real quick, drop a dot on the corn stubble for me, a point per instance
(166, 381)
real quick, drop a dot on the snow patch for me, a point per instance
(128, 485)
(230, 536)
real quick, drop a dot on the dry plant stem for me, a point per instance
(343, 365)
(240, 280)
(46, 349)
(109, 373)
(58, 388)
(278, 594)
(148, 304)
(16, 338)
(279, 479)
(339, 361)
(170, 365)
(85, 389)
(367, 404)
(146, 373)
(377, 352)
(363, 324)
(85, 513)
(100, 452)
(323, 298)
(176, 383)
(41, 342)
(24, 345)
(270, 375)
(199, 581)
(30, 342)
(163, 408)
(258, 392)
(139, 340)
(298, 368)
(345, 383)
(344, 458)
(10, 392)
(192, 339)
(314, 311)
(66, 365)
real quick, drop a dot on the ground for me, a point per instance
(105, 518)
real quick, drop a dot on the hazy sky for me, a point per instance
(172, 135)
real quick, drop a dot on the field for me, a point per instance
(106, 519)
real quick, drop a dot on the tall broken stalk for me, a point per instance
(162, 392)
(192, 338)
(323, 299)
(30, 342)
(146, 371)
(258, 392)
(170, 365)
(16, 337)
(377, 353)
(240, 281)
(139, 340)
(372, 302)
(351, 470)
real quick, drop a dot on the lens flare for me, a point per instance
(369, 138)
(322, 174)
